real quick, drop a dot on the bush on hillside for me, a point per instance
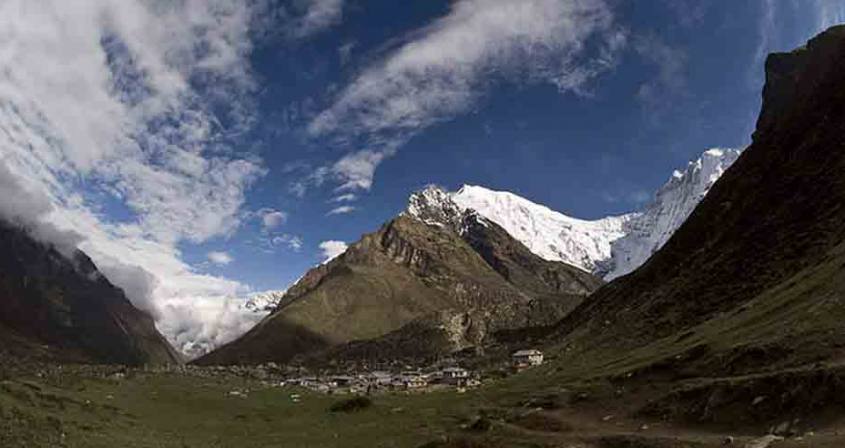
(352, 405)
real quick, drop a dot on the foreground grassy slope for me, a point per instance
(169, 410)
(174, 411)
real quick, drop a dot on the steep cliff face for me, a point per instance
(432, 270)
(64, 308)
(753, 280)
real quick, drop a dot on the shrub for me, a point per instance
(352, 405)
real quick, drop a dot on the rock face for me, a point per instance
(58, 308)
(752, 281)
(609, 247)
(433, 270)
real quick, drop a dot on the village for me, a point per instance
(446, 376)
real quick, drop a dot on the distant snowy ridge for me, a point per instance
(266, 302)
(648, 230)
(547, 233)
(263, 302)
(609, 247)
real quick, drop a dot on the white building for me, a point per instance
(379, 378)
(455, 373)
(410, 381)
(455, 376)
(527, 358)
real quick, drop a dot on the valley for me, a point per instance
(712, 317)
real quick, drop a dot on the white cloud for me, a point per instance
(332, 249)
(356, 170)
(196, 311)
(220, 258)
(292, 242)
(348, 197)
(443, 69)
(297, 19)
(319, 15)
(342, 210)
(271, 219)
(127, 99)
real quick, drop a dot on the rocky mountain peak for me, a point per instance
(433, 205)
(789, 74)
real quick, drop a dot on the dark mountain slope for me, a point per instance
(52, 307)
(422, 273)
(753, 281)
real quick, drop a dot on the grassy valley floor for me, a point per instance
(78, 409)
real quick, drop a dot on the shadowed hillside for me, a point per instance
(754, 281)
(52, 307)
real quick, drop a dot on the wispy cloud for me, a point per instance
(689, 13)
(670, 82)
(342, 210)
(443, 69)
(220, 258)
(356, 171)
(332, 249)
(777, 18)
(348, 197)
(298, 19)
(766, 30)
(272, 243)
(319, 15)
(829, 13)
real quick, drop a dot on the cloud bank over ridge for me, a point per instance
(116, 105)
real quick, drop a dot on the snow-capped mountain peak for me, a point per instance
(651, 228)
(434, 206)
(547, 233)
(609, 247)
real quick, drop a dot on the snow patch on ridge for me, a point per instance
(264, 302)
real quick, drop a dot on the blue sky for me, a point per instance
(688, 78)
(203, 150)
